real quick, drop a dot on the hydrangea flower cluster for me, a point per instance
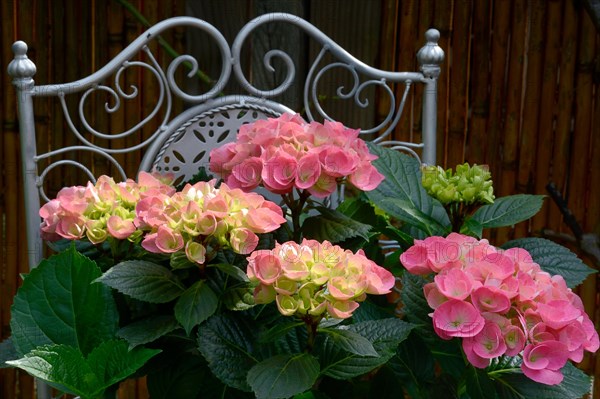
(101, 210)
(315, 279)
(470, 184)
(286, 152)
(202, 215)
(165, 221)
(502, 303)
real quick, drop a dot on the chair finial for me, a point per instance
(21, 68)
(431, 55)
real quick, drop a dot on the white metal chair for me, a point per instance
(182, 142)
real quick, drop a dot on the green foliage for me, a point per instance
(144, 281)
(148, 330)
(384, 335)
(217, 342)
(554, 259)
(66, 368)
(195, 305)
(515, 385)
(227, 342)
(59, 303)
(284, 375)
(508, 211)
(350, 342)
(333, 226)
(406, 198)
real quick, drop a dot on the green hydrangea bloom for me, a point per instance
(468, 185)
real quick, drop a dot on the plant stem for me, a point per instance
(311, 327)
(296, 207)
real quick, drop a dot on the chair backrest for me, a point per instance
(182, 143)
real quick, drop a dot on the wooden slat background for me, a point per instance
(519, 91)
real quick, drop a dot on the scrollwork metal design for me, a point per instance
(86, 170)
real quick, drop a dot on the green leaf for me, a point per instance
(416, 308)
(195, 305)
(508, 211)
(385, 385)
(385, 335)
(241, 298)
(333, 226)
(472, 227)
(413, 365)
(183, 375)
(112, 361)
(554, 259)
(226, 342)
(65, 368)
(148, 330)
(405, 240)
(403, 182)
(447, 353)
(7, 352)
(404, 211)
(479, 385)
(311, 395)
(277, 331)
(59, 304)
(350, 341)
(145, 281)
(231, 270)
(516, 385)
(179, 260)
(283, 376)
(371, 311)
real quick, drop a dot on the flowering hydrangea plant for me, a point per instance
(502, 303)
(215, 285)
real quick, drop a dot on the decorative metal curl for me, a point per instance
(116, 95)
(59, 163)
(357, 88)
(52, 165)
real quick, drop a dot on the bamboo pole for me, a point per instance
(566, 92)
(591, 221)
(387, 45)
(150, 87)
(512, 119)
(133, 108)
(478, 81)
(547, 108)
(116, 42)
(580, 156)
(459, 76)
(495, 126)
(407, 36)
(528, 142)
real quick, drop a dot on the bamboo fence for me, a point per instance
(519, 91)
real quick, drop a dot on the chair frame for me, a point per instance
(22, 70)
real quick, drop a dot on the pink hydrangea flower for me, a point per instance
(286, 153)
(501, 303)
(152, 213)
